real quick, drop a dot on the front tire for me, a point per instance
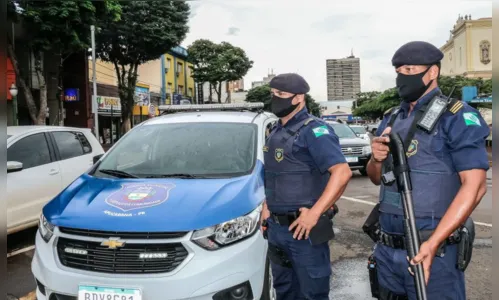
(268, 292)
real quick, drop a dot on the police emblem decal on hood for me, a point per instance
(133, 196)
(279, 154)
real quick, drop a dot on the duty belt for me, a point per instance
(396, 241)
(284, 219)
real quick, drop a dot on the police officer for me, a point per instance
(448, 173)
(305, 173)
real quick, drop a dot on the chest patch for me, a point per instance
(413, 148)
(279, 154)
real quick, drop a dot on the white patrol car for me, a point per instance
(171, 211)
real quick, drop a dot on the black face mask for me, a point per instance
(412, 87)
(282, 107)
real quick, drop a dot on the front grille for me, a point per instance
(123, 235)
(351, 150)
(124, 260)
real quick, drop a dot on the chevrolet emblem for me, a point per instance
(113, 243)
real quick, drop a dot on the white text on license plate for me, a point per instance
(352, 159)
(86, 292)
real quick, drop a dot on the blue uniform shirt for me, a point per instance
(318, 150)
(463, 134)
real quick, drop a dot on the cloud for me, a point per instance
(233, 31)
(297, 36)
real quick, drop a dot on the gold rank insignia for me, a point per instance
(279, 154)
(265, 149)
(455, 106)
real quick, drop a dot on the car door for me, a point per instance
(74, 153)
(36, 184)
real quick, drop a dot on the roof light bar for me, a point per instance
(199, 107)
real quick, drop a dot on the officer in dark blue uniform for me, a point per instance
(305, 173)
(448, 163)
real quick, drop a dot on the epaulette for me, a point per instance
(454, 106)
(390, 110)
(308, 121)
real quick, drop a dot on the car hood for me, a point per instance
(154, 205)
(354, 142)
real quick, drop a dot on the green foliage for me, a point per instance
(215, 63)
(146, 30)
(61, 26)
(262, 94)
(372, 105)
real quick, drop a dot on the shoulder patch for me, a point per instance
(320, 130)
(455, 106)
(471, 119)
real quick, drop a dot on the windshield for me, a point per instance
(358, 129)
(343, 131)
(199, 149)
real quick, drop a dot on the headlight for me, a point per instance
(215, 237)
(366, 150)
(46, 229)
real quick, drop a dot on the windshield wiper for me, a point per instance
(179, 175)
(118, 173)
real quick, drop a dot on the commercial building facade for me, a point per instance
(343, 78)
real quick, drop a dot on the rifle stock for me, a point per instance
(401, 170)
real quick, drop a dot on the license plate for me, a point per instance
(86, 292)
(352, 159)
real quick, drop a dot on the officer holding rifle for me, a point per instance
(444, 141)
(305, 174)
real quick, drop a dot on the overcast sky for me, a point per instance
(298, 36)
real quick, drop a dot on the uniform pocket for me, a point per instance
(319, 271)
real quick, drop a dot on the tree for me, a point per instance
(372, 105)
(146, 30)
(55, 27)
(262, 94)
(216, 63)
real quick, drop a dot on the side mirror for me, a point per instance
(14, 166)
(97, 157)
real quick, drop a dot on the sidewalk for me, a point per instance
(489, 173)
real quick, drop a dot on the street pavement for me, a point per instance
(349, 250)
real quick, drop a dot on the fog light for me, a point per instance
(239, 293)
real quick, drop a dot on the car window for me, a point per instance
(208, 149)
(343, 131)
(359, 129)
(87, 148)
(31, 151)
(68, 143)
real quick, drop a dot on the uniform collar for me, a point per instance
(301, 115)
(422, 101)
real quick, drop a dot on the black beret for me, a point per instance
(291, 83)
(417, 53)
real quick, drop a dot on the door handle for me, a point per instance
(53, 172)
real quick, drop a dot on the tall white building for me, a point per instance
(343, 78)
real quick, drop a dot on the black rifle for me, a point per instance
(401, 170)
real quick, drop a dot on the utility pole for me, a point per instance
(95, 106)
